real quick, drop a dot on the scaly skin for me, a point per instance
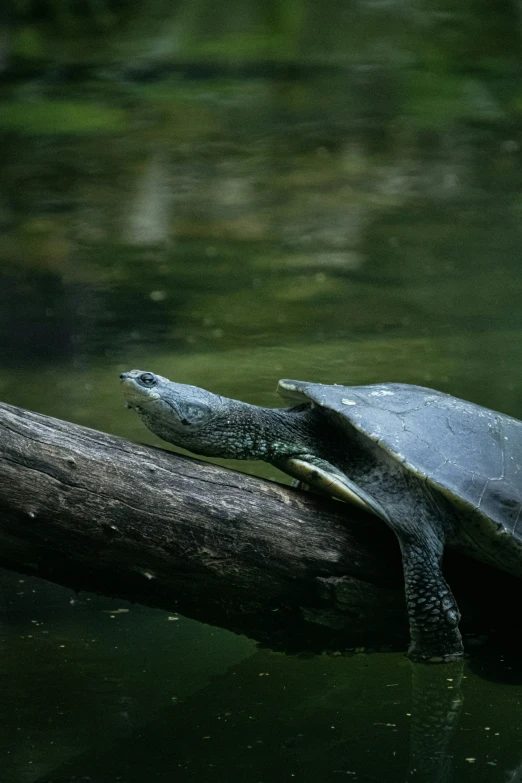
(215, 426)
(433, 612)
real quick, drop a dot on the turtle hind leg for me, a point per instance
(432, 609)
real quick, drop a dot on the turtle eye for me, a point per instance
(147, 379)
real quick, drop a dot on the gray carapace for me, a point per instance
(438, 470)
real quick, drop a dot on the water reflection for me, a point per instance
(368, 718)
(98, 690)
(435, 716)
(225, 237)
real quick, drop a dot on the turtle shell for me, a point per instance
(471, 454)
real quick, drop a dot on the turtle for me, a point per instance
(438, 470)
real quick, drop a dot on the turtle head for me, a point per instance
(209, 424)
(184, 415)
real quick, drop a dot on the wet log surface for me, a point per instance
(96, 512)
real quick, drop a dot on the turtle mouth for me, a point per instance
(142, 401)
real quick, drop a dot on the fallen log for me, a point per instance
(95, 512)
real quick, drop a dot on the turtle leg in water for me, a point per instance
(432, 610)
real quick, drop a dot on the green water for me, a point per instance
(324, 191)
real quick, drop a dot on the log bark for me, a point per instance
(95, 512)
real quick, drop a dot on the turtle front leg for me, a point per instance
(432, 609)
